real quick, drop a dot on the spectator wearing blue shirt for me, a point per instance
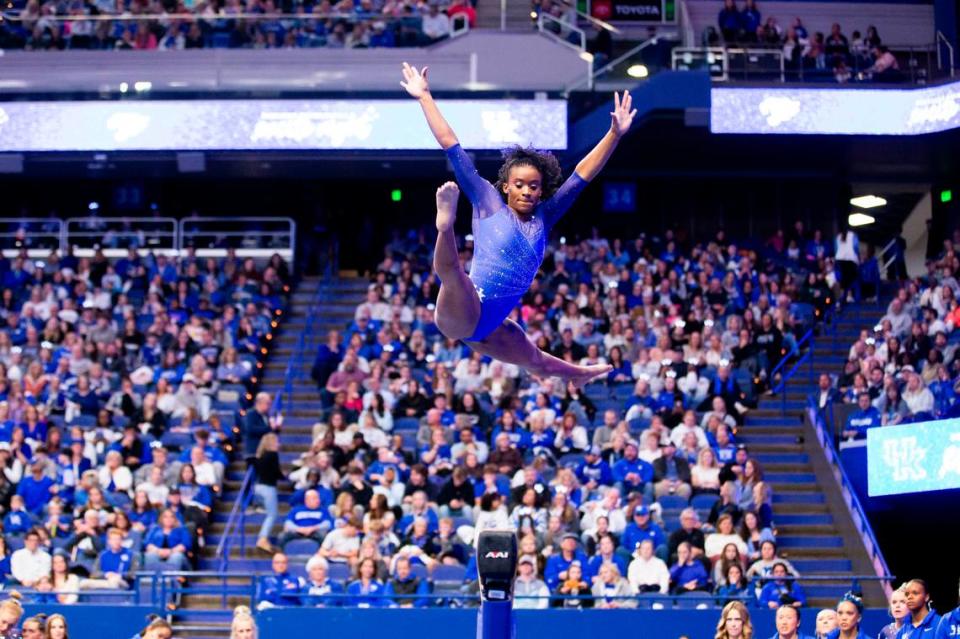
(319, 586)
(555, 571)
(257, 423)
(593, 471)
(865, 417)
(18, 521)
(922, 620)
(309, 521)
(688, 574)
(750, 21)
(633, 474)
(281, 588)
(642, 527)
(419, 507)
(167, 544)
(367, 591)
(406, 583)
(849, 614)
(781, 590)
(788, 623)
(949, 626)
(36, 488)
(606, 554)
(115, 565)
(729, 21)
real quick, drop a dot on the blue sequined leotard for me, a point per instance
(507, 250)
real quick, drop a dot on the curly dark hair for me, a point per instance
(543, 161)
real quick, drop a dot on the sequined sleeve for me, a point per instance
(484, 197)
(554, 208)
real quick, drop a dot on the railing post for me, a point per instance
(503, 15)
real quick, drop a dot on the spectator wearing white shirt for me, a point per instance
(647, 572)
(469, 444)
(373, 307)
(114, 476)
(436, 25)
(29, 564)
(918, 397)
(688, 425)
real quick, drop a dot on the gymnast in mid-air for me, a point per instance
(510, 225)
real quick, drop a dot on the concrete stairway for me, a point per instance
(815, 530)
(204, 613)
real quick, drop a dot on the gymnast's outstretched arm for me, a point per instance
(415, 82)
(620, 120)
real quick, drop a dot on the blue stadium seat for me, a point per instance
(704, 502)
(339, 571)
(570, 460)
(693, 600)
(406, 423)
(449, 574)
(301, 547)
(672, 502)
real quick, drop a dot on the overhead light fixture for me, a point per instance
(867, 201)
(638, 71)
(860, 219)
(93, 206)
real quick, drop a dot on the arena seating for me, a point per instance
(905, 367)
(121, 381)
(260, 25)
(398, 399)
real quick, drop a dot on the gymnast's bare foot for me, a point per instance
(587, 374)
(447, 196)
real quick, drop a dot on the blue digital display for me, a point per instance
(211, 125)
(913, 458)
(619, 197)
(835, 111)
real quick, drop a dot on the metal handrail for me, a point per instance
(807, 337)
(593, 74)
(946, 42)
(164, 584)
(239, 506)
(15, 16)
(564, 26)
(852, 501)
(603, 24)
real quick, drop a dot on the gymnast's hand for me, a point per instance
(414, 81)
(622, 116)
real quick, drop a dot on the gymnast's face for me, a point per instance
(523, 189)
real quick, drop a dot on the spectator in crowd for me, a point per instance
(671, 473)
(166, 545)
(687, 574)
(647, 572)
(319, 585)
(308, 521)
(367, 591)
(865, 417)
(267, 465)
(611, 590)
(530, 592)
(31, 562)
(781, 589)
(280, 588)
(404, 582)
